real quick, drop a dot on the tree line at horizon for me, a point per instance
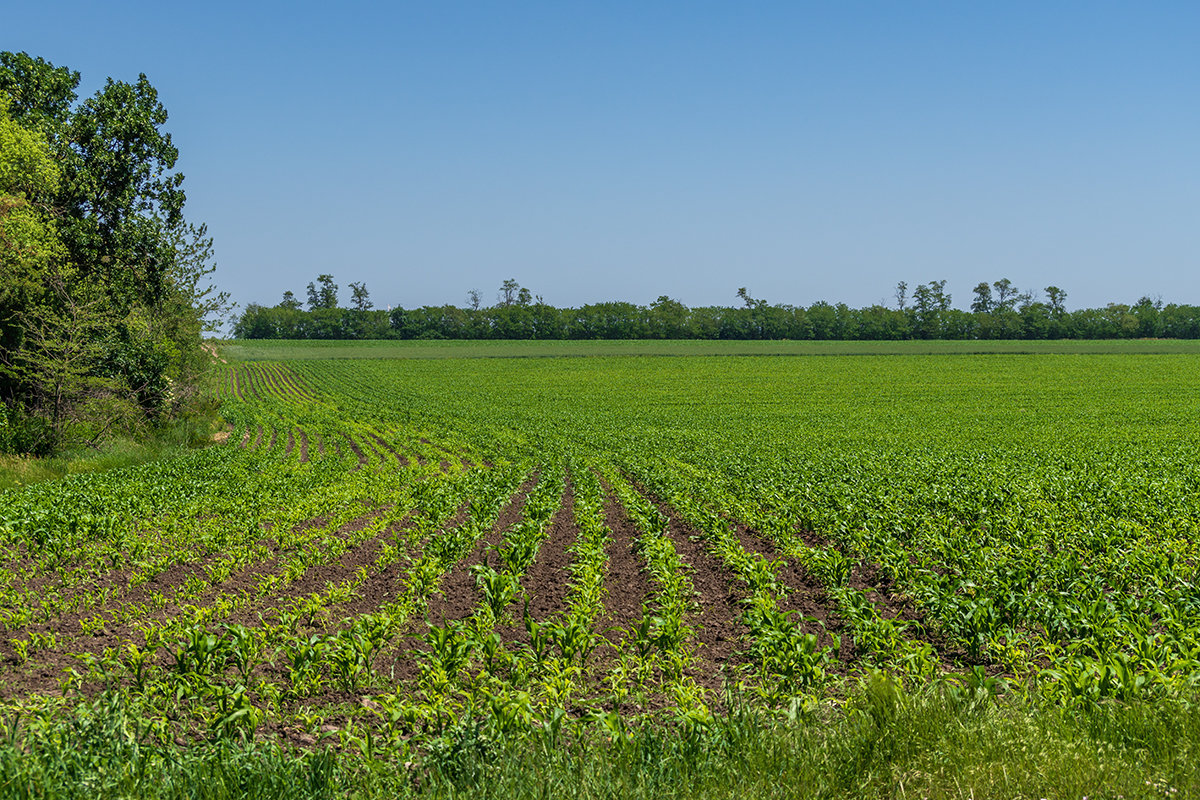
(104, 295)
(999, 310)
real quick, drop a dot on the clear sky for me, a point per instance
(624, 150)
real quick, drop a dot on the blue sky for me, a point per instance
(625, 150)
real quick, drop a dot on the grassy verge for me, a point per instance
(21, 470)
(882, 743)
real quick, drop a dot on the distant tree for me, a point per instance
(521, 315)
(1037, 322)
(290, 301)
(512, 321)
(548, 321)
(322, 294)
(360, 297)
(1006, 295)
(1148, 313)
(880, 323)
(931, 302)
(667, 318)
(252, 323)
(508, 292)
(983, 298)
(755, 315)
(823, 318)
(1057, 300)
(1181, 321)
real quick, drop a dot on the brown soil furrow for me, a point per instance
(379, 440)
(73, 643)
(319, 576)
(262, 386)
(421, 459)
(629, 588)
(358, 451)
(244, 384)
(718, 630)
(303, 446)
(397, 657)
(41, 676)
(266, 387)
(811, 538)
(444, 463)
(251, 385)
(293, 380)
(890, 603)
(240, 580)
(285, 386)
(277, 389)
(386, 586)
(457, 595)
(33, 574)
(873, 582)
(67, 623)
(376, 453)
(166, 581)
(805, 595)
(546, 581)
(256, 385)
(291, 445)
(382, 586)
(281, 384)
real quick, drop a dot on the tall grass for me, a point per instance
(882, 742)
(165, 441)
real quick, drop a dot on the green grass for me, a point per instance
(882, 742)
(281, 350)
(115, 453)
(1042, 477)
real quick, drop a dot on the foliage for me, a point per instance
(106, 293)
(518, 315)
(938, 572)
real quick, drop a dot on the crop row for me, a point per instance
(392, 546)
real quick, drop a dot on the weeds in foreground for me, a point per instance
(948, 740)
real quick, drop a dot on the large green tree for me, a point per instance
(102, 271)
(30, 247)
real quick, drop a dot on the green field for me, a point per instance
(277, 350)
(903, 570)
